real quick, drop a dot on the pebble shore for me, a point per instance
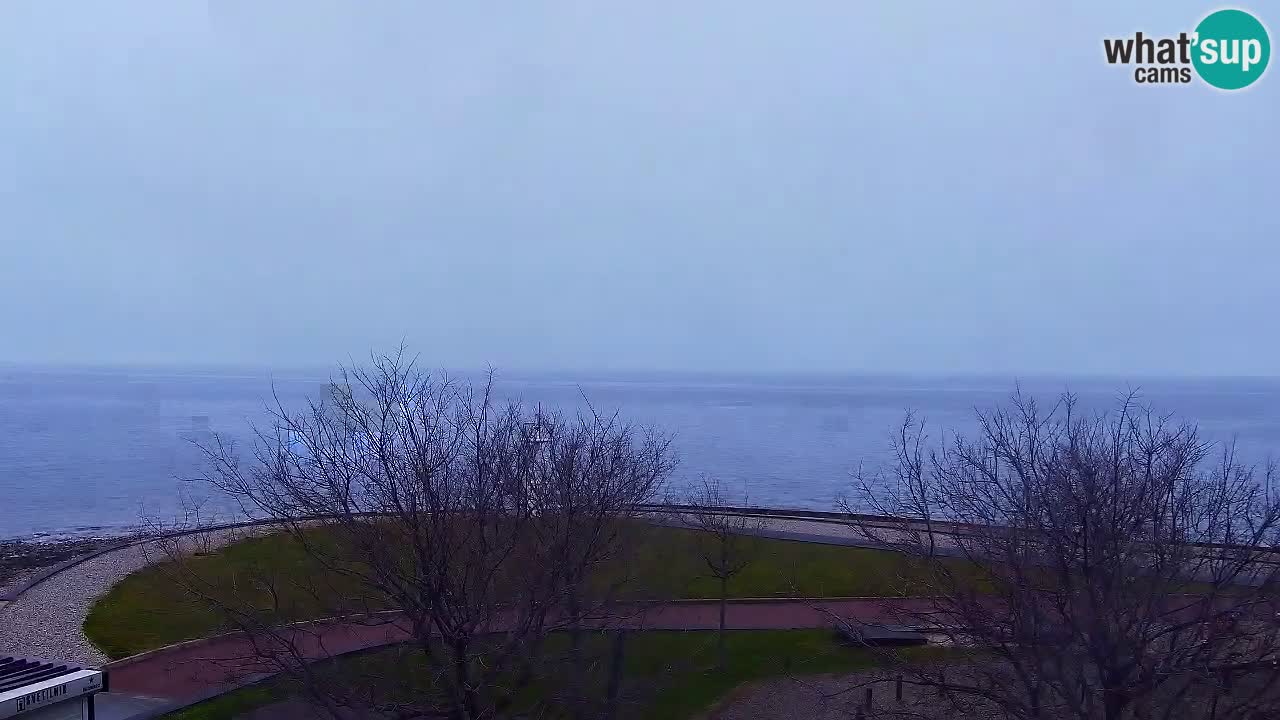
(46, 621)
(22, 558)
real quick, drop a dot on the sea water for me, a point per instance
(100, 450)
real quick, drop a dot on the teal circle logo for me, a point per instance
(1232, 49)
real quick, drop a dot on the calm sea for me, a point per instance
(92, 451)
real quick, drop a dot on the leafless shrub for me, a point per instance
(1095, 565)
(727, 543)
(479, 525)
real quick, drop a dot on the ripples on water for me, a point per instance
(94, 451)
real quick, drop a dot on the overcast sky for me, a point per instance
(842, 185)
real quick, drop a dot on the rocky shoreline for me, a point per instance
(21, 558)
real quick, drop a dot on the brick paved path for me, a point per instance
(211, 665)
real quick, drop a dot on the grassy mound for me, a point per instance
(148, 609)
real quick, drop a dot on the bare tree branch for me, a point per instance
(482, 524)
(1101, 566)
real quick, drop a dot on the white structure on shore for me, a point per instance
(42, 690)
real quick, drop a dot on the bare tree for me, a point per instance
(1107, 565)
(727, 545)
(470, 530)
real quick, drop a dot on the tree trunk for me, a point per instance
(463, 692)
(724, 601)
(616, 671)
(1114, 704)
(575, 656)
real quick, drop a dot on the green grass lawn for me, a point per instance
(149, 609)
(668, 674)
(233, 704)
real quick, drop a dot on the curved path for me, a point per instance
(47, 619)
(201, 668)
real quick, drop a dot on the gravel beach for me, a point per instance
(46, 621)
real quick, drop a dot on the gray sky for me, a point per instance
(842, 185)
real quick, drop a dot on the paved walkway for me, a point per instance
(203, 667)
(47, 620)
(830, 531)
